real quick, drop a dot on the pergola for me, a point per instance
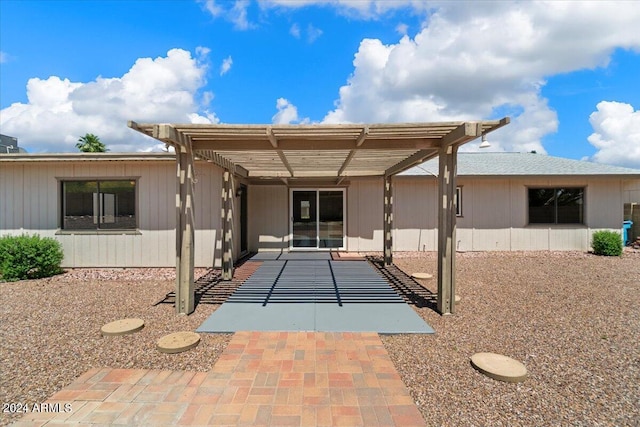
(299, 154)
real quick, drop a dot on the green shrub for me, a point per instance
(608, 243)
(29, 257)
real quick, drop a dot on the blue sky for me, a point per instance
(567, 73)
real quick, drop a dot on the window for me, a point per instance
(556, 205)
(99, 205)
(458, 201)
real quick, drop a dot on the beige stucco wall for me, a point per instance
(30, 203)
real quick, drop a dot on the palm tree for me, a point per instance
(91, 143)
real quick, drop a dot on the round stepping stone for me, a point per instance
(122, 327)
(178, 342)
(422, 276)
(499, 367)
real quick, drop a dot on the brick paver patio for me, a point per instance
(261, 379)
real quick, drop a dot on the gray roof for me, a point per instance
(521, 164)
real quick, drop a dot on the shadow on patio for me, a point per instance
(211, 289)
(406, 286)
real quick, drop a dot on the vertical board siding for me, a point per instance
(494, 213)
(30, 203)
(207, 203)
(604, 203)
(631, 191)
(415, 214)
(268, 220)
(364, 223)
(491, 218)
(631, 194)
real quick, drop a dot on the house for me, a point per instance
(234, 189)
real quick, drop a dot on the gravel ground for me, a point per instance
(50, 329)
(573, 319)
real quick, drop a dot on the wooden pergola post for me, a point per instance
(446, 229)
(388, 221)
(185, 293)
(228, 194)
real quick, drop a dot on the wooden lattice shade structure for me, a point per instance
(320, 153)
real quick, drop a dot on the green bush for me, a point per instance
(608, 243)
(29, 257)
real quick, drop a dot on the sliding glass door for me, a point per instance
(304, 218)
(317, 219)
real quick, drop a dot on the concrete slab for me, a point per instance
(390, 318)
(234, 317)
(315, 295)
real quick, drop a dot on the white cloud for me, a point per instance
(3, 57)
(202, 52)
(287, 113)
(362, 9)
(226, 65)
(58, 111)
(402, 29)
(213, 8)
(475, 60)
(237, 14)
(295, 30)
(616, 134)
(313, 33)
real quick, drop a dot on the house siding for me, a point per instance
(30, 203)
(365, 215)
(631, 194)
(494, 213)
(268, 217)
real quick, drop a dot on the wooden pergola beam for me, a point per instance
(202, 143)
(463, 133)
(274, 143)
(410, 161)
(361, 138)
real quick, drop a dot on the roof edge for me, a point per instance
(51, 157)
